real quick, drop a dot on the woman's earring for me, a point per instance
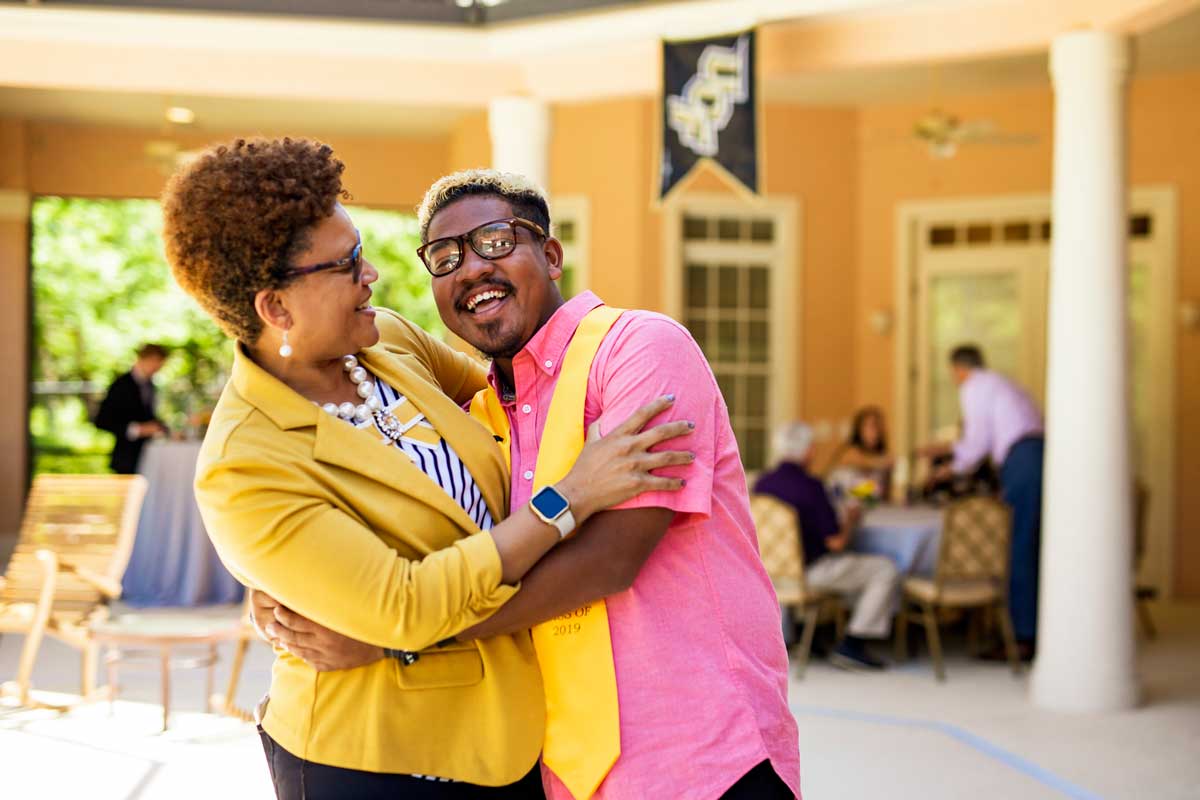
(285, 349)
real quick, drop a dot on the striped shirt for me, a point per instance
(432, 454)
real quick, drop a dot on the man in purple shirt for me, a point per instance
(868, 581)
(1000, 420)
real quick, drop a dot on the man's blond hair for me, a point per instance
(526, 197)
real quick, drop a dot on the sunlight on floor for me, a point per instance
(896, 734)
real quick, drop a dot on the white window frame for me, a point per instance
(781, 255)
(575, 208)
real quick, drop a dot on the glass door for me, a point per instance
(994, 299)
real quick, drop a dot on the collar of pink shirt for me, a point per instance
(545, 350)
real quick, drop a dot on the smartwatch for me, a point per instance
(552, 508)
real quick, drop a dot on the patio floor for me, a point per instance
(896, 734)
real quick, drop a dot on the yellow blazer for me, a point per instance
(353, 535)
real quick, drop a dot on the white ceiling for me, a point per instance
(1173, 46)
(243, 114)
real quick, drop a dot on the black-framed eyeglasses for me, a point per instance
(491, 240)
(352, 263)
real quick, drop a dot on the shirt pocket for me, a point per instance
(442, 668)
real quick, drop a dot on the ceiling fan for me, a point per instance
(942, 133)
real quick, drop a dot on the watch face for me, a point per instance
(549, 502)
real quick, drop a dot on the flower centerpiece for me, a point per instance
(866, 492)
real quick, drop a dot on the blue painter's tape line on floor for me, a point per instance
(1011, 760)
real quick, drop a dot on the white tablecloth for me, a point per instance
(173, 562)
(908, 535)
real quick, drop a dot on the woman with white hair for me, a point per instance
(868, 582)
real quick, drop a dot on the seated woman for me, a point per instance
(863, 457)
(340, 475)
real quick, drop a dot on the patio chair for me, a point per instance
(76, 536)
(780, 546)
(971, 575)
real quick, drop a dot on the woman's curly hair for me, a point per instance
(235, 216)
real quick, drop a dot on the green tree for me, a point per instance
(390, 241)
(101, 287)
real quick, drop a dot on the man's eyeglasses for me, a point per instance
(491, 240)
(352, 263)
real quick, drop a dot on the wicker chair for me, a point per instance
(971, 574)
(780, 545)
(76, 537)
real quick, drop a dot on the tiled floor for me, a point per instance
(898, 734)
(118, 753)
(977, 736)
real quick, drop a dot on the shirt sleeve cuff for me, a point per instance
(962, 463)
(482, 561)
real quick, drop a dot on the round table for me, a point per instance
(909, 535)
(154, 637)
(173, 562)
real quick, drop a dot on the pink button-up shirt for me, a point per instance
(700, 661)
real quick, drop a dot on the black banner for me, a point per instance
(709, 109)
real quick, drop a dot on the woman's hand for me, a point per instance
(617, 467)
(321, 648)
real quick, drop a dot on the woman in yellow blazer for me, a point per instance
(340, 475)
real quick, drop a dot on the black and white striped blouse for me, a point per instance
(432, 454)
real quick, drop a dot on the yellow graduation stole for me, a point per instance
(574, 650)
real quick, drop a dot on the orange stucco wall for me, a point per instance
(1163, 131)
(470, 143)
(599, 150)
(1164, 124)
(111, 162)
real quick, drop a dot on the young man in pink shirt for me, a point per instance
(697, 648)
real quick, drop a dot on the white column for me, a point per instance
(520, 129)
(1085, 648)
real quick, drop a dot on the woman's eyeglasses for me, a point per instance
(352, 263)
(491, 240)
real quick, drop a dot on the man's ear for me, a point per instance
(552, 250)
(269, 304)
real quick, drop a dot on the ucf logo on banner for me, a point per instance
(709, 109)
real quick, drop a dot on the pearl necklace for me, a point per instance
(372, 408)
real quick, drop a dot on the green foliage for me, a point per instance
(390, 241)
(102, 287)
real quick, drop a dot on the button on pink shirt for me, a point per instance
(700, 661)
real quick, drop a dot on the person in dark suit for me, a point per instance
(127, 410)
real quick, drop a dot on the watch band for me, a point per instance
(565, 522)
